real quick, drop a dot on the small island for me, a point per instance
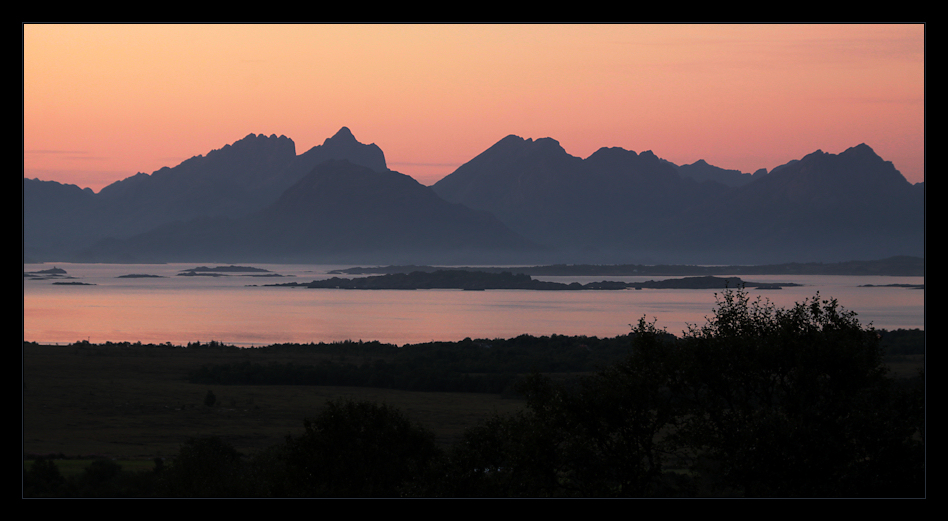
(51, 273)
(204, 271)
(909, 286)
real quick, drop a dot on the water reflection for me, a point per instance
(240, 310)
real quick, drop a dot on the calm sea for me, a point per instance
(238, 309)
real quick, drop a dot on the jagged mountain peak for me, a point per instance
(856, 158)
(344, 135)
(249, 152)
(261, 137)
(235, 162)
(509, 156)
(513, 141)
(618, 157)
(857, 175)
(612, 151)
(254, 143)
(342, 145)
(543, 145)
(861, 148)
(548, 142)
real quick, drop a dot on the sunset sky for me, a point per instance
(102, 102)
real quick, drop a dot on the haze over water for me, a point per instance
(239, 310)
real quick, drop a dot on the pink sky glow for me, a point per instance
(103, 102)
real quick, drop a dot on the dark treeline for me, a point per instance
(487, 366)
(526, 349)
(898, 342)
(481, 365)
(102, 478)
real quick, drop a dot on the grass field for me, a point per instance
(134, 403)
(136, 406)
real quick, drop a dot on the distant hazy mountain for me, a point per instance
(225, 182)
(232, 181)
(623, 206)
(55, 217)
(607, 203)
(339, 212)
(823, 207)
(521, 200)
(343, 145)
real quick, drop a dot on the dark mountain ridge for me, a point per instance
(54, 217)
(700, 170)
(256, 199)
(618, 206)
(342, 207)
(823, 207)
(233, 181)
(339, 212)
(605, 203)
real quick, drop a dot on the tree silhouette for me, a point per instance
(795, 402)
(359, 449)
(759, 401)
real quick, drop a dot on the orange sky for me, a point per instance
(102, 102)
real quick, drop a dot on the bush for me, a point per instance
(759, 401)
(795, 402)
(205, 467)
(43, 479)
(360, 449)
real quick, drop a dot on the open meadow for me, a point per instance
(134, 402)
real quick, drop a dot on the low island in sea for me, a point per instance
(899, 266)
(220, 271)
(482, 280)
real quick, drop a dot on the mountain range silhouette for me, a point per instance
(521, 200)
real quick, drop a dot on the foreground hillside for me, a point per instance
(598, 417)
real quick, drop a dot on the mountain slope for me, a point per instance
(607, 202)
(53, 217)
(256, 199)
(342, 145)
(229, 182)
(823, 207)
(700, 170)
(338, 212)
(225, 182)
(619, 206)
